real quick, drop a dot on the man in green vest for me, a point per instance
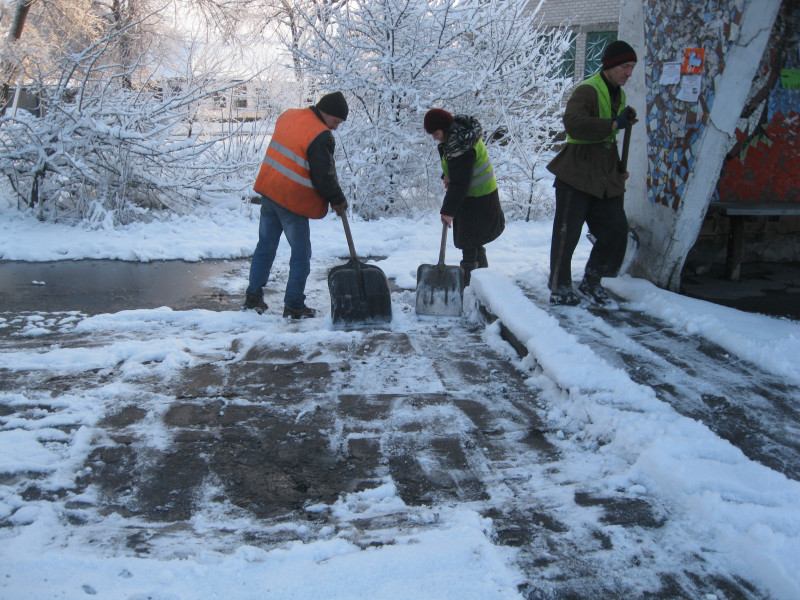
(590, 183)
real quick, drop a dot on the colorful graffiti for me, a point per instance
(764, 164)
(767, 168)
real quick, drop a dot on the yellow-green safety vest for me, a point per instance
(604, 105)
(483, 180)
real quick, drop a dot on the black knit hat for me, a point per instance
(334, 104)
(617, 53)
(436, 119)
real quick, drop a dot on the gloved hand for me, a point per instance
(340, 208)
(626, 118)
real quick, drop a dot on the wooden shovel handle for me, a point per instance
(349, 237)
(350, 245)
(626, 143)
(444, 242)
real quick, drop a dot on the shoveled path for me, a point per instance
(279, 431)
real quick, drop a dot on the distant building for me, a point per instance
(595, 24)
(24, 100)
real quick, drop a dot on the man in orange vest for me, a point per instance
(297, 182)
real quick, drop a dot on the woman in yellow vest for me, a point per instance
(297, 181)
(471, 203)
(589, 182)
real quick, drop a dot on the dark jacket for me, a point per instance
(590, 168)
(322, 165)
(477, 220)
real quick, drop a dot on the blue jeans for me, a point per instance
(275, 219)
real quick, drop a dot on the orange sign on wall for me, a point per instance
(693, 61)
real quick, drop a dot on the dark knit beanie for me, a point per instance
(617, 53)
(334, 104)
(436, 119)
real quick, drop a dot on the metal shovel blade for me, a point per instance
(440, 288)
(360, 295)
(631, 249)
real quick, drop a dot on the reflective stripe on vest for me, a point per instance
(483, 180)
(280, 148)
(604, 109)
(284, 175)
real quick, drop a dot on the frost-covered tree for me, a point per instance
(130, 116)
(395, 59)
(296, 20)
(37, 33)
(104, 151)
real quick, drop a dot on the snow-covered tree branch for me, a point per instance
(395, 59)
(103, 149)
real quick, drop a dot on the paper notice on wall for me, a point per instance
(690, 88)
(670, 73)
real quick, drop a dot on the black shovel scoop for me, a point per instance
(359, 292)
(440, 289)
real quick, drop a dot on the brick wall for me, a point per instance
(584, 16)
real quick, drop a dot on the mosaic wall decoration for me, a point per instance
(784, 96)
(675, 127)
(764, 164)
(767, 168)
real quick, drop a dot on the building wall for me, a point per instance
(686, 140)
(679, 146)
(584, 16)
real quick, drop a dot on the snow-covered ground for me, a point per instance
(613, 431)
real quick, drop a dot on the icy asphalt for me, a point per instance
(284, 427)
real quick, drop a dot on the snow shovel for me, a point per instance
(440, 289)
(633, 239)
(632, 245)
(360, 294)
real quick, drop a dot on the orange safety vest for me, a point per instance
(284, 175)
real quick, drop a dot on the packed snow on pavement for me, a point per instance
(614, 433)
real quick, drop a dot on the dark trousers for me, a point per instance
(475, 256)
(606, 220)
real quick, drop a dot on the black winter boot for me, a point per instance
(564, 297)
(482, 260)
(595, 292)
(303, 313)
(468, 267)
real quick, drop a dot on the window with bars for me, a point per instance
(567, 68)
(596, 42)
